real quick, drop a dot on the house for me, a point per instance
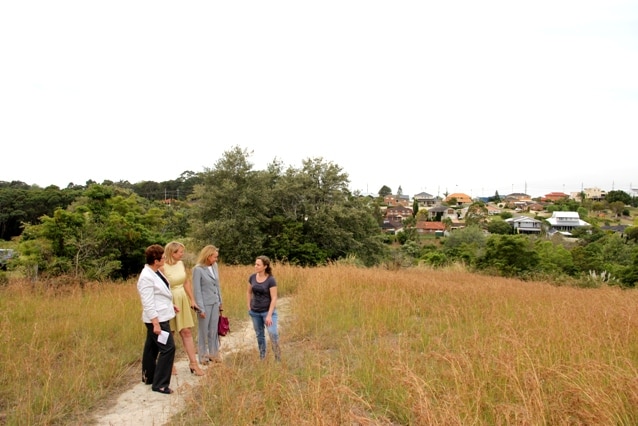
(554, 196)
(536, 207)
(517, 197)
(392, 227)
(565, 222)
(595, 194)
(516, 201)
(525, 225)
(397, 213)
(439, 213)
(423, 199)
(493, 210)
(425, 227)
(460, 198)
(397, 200)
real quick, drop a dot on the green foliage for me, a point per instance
(505, 215)
(436, 259)
(499, 226)
(303, 216)
(102, 235)
(618, 196)
(510, 255)
(21, 204)
(629, 275)
(385, 190)
(465, 244)
(554, 259)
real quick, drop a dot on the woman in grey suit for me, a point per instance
(208, 297)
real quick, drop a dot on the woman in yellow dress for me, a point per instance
(182, 290)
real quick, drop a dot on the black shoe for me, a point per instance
(165, 390)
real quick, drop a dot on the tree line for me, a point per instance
(305, 216)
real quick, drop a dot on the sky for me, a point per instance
(429, 96)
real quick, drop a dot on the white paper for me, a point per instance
(163, 337)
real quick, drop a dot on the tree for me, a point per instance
(465, 244)
(510, 255)
(102, 235)
(230, 207)
(385, 190)
(476, 214)
(621, 196)
(617, 207)
(499, 226)
(303, 216)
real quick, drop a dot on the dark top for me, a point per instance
(260, 302)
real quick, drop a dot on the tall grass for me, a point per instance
(360, 346)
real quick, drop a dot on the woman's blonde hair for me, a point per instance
(205, 252)
(170, 249)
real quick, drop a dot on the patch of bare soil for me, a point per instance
(140, 406)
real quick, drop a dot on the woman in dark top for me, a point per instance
(262, 306)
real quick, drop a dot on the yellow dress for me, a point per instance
(176, 275)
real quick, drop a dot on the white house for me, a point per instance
(565, 222)
(525, 225)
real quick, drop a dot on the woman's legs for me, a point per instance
(213, 336)
(149, 355)
(273, 334)
(157, 360)
(259, 323)
(202, 334)
(189, 345)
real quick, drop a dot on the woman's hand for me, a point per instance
(268, 320)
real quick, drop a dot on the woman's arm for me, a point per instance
(188, 288)
(273, 305)
(197, 290)
(249, 295)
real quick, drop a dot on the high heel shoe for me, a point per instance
(195, 369)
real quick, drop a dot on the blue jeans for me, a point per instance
(259, 324)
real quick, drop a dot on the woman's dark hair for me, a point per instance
(266, 262)
(153, 253)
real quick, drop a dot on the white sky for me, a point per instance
(463, 96)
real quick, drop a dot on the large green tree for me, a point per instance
(304, 216)
(101, 235)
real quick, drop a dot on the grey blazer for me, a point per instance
(206, 286)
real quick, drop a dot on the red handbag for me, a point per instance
(223, 326)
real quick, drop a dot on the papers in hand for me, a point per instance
(163, 337)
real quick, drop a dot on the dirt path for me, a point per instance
(139, 406)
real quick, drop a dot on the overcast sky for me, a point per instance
(433, 96)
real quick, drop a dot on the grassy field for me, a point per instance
(360, 346)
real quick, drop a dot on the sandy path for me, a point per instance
(139, 406)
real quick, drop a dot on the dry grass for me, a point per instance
(361, 346)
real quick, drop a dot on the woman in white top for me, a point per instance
(157, 311)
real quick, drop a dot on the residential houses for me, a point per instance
(442, 217)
